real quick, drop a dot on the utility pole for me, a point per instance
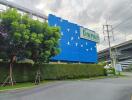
(108, 33)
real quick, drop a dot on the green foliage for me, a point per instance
(17, 33)
(102, 63)
(8, 17)
(71, 71)
(26, 71)
(109, 71)
(28, 38)
(3, 55)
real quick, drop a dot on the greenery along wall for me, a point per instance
(26, 72)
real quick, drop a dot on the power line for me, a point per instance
(122, 22)
(124, 11)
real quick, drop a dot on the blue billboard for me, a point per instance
(73, 47)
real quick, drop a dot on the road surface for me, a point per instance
(100, 89)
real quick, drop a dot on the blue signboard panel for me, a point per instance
(73, 48)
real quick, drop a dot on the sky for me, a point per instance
(92, 14)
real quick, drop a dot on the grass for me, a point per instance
(20, 86)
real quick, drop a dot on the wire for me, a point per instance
(124, 12)
(122, 22)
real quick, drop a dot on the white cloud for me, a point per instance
(89, 13)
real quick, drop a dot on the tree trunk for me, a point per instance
(38, 76)
(9, 78)
(13, 59)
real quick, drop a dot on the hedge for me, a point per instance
(26, 72)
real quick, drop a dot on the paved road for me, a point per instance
(101, 89)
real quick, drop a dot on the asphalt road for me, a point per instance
(100, 89)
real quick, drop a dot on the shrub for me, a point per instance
(71, 71)
(26, 72)
(109, 71)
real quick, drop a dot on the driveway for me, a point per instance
(100, 89)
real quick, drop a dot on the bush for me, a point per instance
(71, 71)
(109, 71)
(22, 72)
(26, 72)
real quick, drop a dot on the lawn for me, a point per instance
(21, 86)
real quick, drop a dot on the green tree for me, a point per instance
(43, 45)
(27, 38)
(16, 38)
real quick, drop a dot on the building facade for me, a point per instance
(77, 44)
